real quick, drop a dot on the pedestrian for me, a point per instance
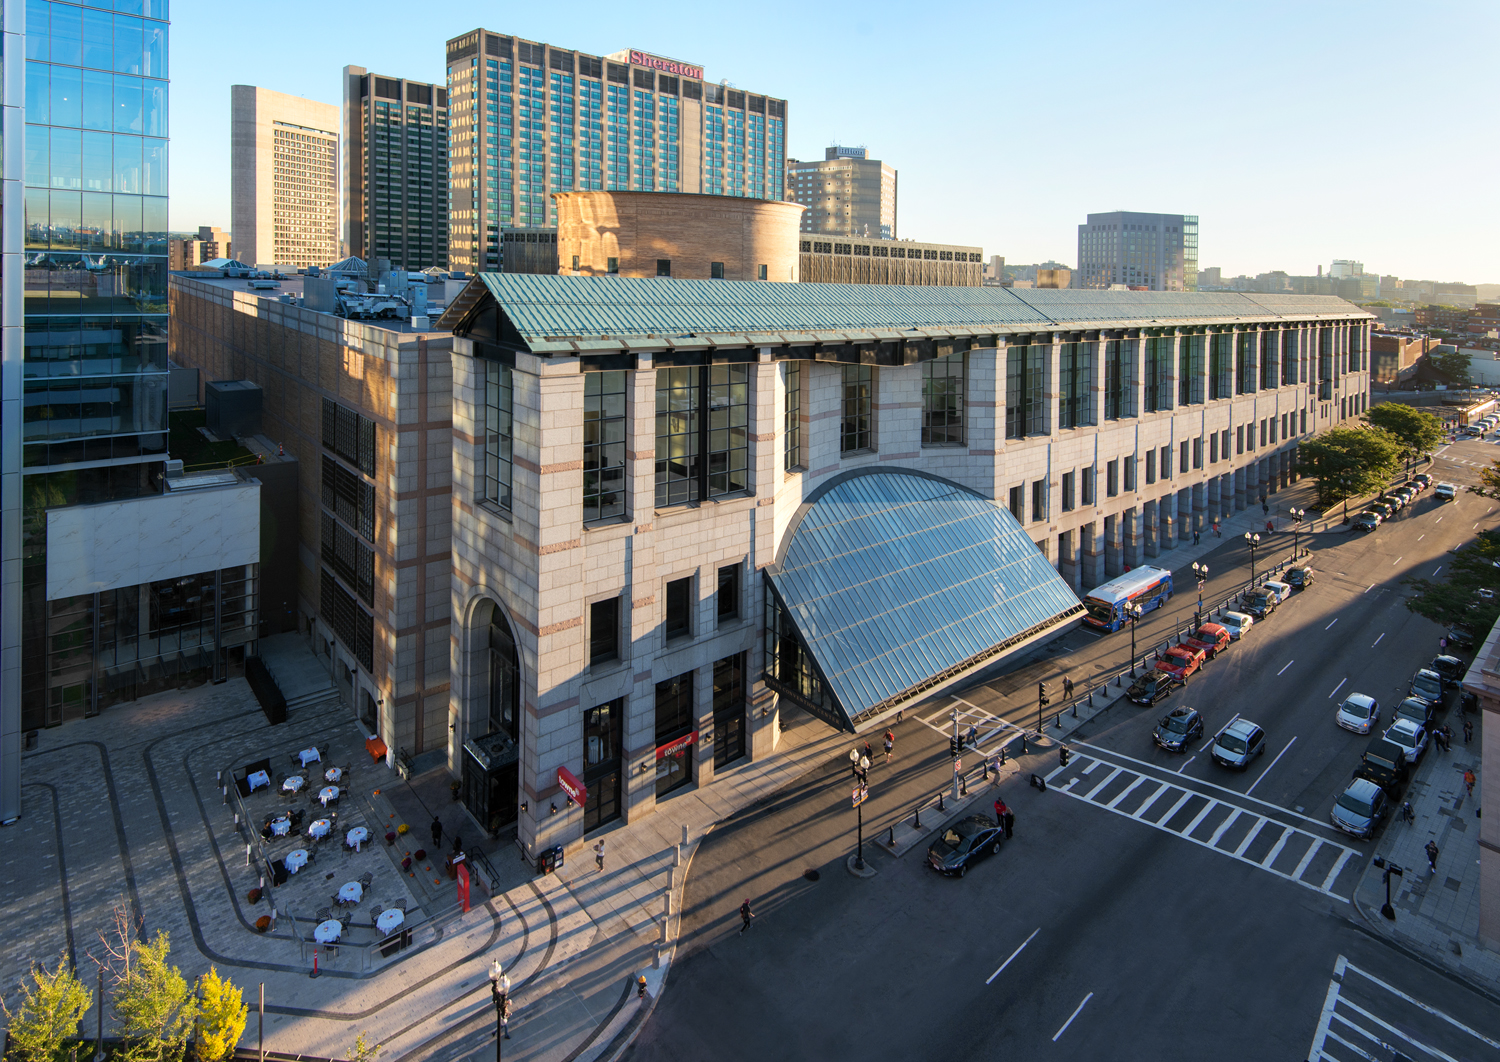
(1195, 536)
(869, 755)
(458, 843)
(599, 855)
(1447, 738)
(505, 1018)
(1269, 527)
(1469, 780)
(745, 916)
(1217, 532)
(1443, 644)
(1000, 812)
(973, 738)
(890, 744)
(437, 832)
(1468, 730)
(1432, 854)
(1067, 688)
(1009, 822)
(1264, 508)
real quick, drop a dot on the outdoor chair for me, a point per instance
(400, 905)
(365, 879)
(323, 915)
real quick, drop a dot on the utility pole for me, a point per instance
(1042, 700)
(957, 744)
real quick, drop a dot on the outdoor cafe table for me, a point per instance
(258, 779)
(389, 920)
(333, 774)
(296, 860)
(351, 892)
(328, 932)
(328, 793)
(356, 837)
(319, 828)
(309, 756)
(292, 784)
(281, 827)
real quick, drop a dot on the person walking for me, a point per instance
(505, 1018)
(1468, 730)
(890, 744)
(1195, 536)
(1067, 688)
(973, 739)
(1432, 854)
(437, 832)
(1469, 780)
(1264, 508)
(599, 855)
(1009, 822)
(1217, 532)
(1000, 812)
(1443, 644)
(745, 916)
(869, 754)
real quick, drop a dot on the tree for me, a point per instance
(1489, 481)
(1349, 462)
(221, 1017)
(1418, 432)
(1451, 364)
(363, 1050)
(1455, 598)
(154, 1005)
(51, 1007)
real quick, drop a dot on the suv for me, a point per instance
(1366, 522)
(1427, 686)
(1461, 636)
(1451, 668)
(1300, 578)
(1210, 637)
(1238, 743)
(1411, 736)
(1415, 709)
(1150, 687)
(1359, 808)
(1445, 492)
(1383, 763)
(1177, 728)
(1259, 603)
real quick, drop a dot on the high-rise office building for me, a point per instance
(1151, 252)
(528, 119)
(395, 170)
(283, 177)
(847, 194)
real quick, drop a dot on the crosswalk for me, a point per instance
(1366, 1018)
(1274, 840)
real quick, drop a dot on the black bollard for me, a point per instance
(1023, 743)
(941, 805)
(916, 820)
(893, 835)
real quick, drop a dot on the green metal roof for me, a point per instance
(570, 308)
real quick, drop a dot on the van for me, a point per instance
(1280, 589)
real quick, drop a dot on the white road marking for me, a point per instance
(1107, 779)
(1289, 663)
(1363, 1013)
(1439, 519)
(1277, 847)
(1074, 1015)
(1091, 767)
(1174, 809)
(1338, 687)
(1395, 562)
(1418, 1003)
(1421, 537)
(1213, 842)
(1267, 771)
(1377, 641)
(1202, 814)
(1439, 568)
(1307, 857)
(1337, 867)
(1131, 788)
(1250, 835)
(1013, 954)
(1335, 620)
(1189, 760)
(1367, 589)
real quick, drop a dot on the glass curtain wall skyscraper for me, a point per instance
(527, 120)
(1148, 252)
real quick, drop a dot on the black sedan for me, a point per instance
(1177, 728)
(1151, 687)
(965, 841)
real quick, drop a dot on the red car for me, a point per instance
(1210, 638)
(1180, 661)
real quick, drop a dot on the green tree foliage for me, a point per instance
(1489, 481)
(52, 1004)
(154, 1005)
(363, 1050)
(221, 1017)
(1418, 432)
(1349, 462)
(1451, 364)
(1455, 598)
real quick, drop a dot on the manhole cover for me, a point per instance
(811, 875)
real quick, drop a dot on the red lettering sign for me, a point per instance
(572, 786)
(674, 748)
(666, 66)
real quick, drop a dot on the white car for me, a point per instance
(1236, 623)
(1445, 492)
(1280, 589)
(1411, 736)
(1358, 713)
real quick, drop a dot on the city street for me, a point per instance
(1189, 911)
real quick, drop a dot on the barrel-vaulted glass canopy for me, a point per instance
(892, 583)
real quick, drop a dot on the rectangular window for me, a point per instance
(727, 597)
(791, 427)
(1263, 431)
(702, 433)
(1119, 379)
(1025, 390)
(1086, 485)
(349, 435)
(1075, 379)
(674, 710)
(1039, 499)
(760, 272)
(1221, 364)
(1182, 460)
(603, 445)
(679, 613)
(1304, 423)
(1197, 453)
(1213, 448)
(575, 263)
(729, 709)
(1289, 355)
(1244, 365)
(1157, 389)
(1224, 444)
(1269, 351)
(1166, 462)
(1239, 439)
(857, 423)
(604, 631)
(612, 265)
(1112, 478)
(1068, 480)
(1018, 504)
(943, 386)
(663, 267)
(715, 271)
(1151, 466)
(1190, 371)
(1130, 473)
(498, 433)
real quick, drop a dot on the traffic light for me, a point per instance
(1041, 694)
(954, 747)
(1063, 755)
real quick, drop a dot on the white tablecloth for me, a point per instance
(329, 792)
(333, 774)
(309, 756)
(356, 837)
(319, 828)
(281, 827)
(390, 920)
(258, 779)
(295, 861)
(292, 784)
(328, 932)
(351, 892)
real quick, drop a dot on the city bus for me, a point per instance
(1147, 587)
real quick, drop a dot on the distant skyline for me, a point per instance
(1009, 124)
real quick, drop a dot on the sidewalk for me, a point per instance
(1437, 915)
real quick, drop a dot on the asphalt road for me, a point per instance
(1141, 930)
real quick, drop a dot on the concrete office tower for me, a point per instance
(394, 173)
(531, 119)
(846, 194)
(283, 178)
(1150, 252)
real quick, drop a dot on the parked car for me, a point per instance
(1360, 713)
(1384, 763)
(1280, 589)
(1415, 709)
(1461, 636)
(1445, 492)
(1411, 736)
(1422, 480)
(1150, 687)
(1236, 623)
(1259, 603)
(1451, 668)
(1359, 808)
(1177, 728)
(1180, 661)
(1393, 501)
(1238, 743)
(1366, 522)
(1210, 637)
(1384, 510)
(1427, 685)
(964, 842)
(1300, 578)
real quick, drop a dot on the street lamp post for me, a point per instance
(1252, 541)
(1297, 515)
(500, 992)
(1200, 572)
(1134, 612)
(861, 765)
(1388, 869)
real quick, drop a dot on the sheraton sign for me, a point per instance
(667, 66)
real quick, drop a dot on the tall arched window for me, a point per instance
(505, 686)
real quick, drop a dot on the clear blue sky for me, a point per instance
(1297, 132)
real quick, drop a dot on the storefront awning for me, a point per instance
(893, 583)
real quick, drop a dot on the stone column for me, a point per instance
(1151, 528)
(1091, 556)
(1202, 504)
(1166, 511)
(1186, 517)
(1131, 540)
(1239, 489)
(1113, 547)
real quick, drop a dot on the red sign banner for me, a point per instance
(572, 786)
(666, 66)
(463, 887)
(674, 748)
